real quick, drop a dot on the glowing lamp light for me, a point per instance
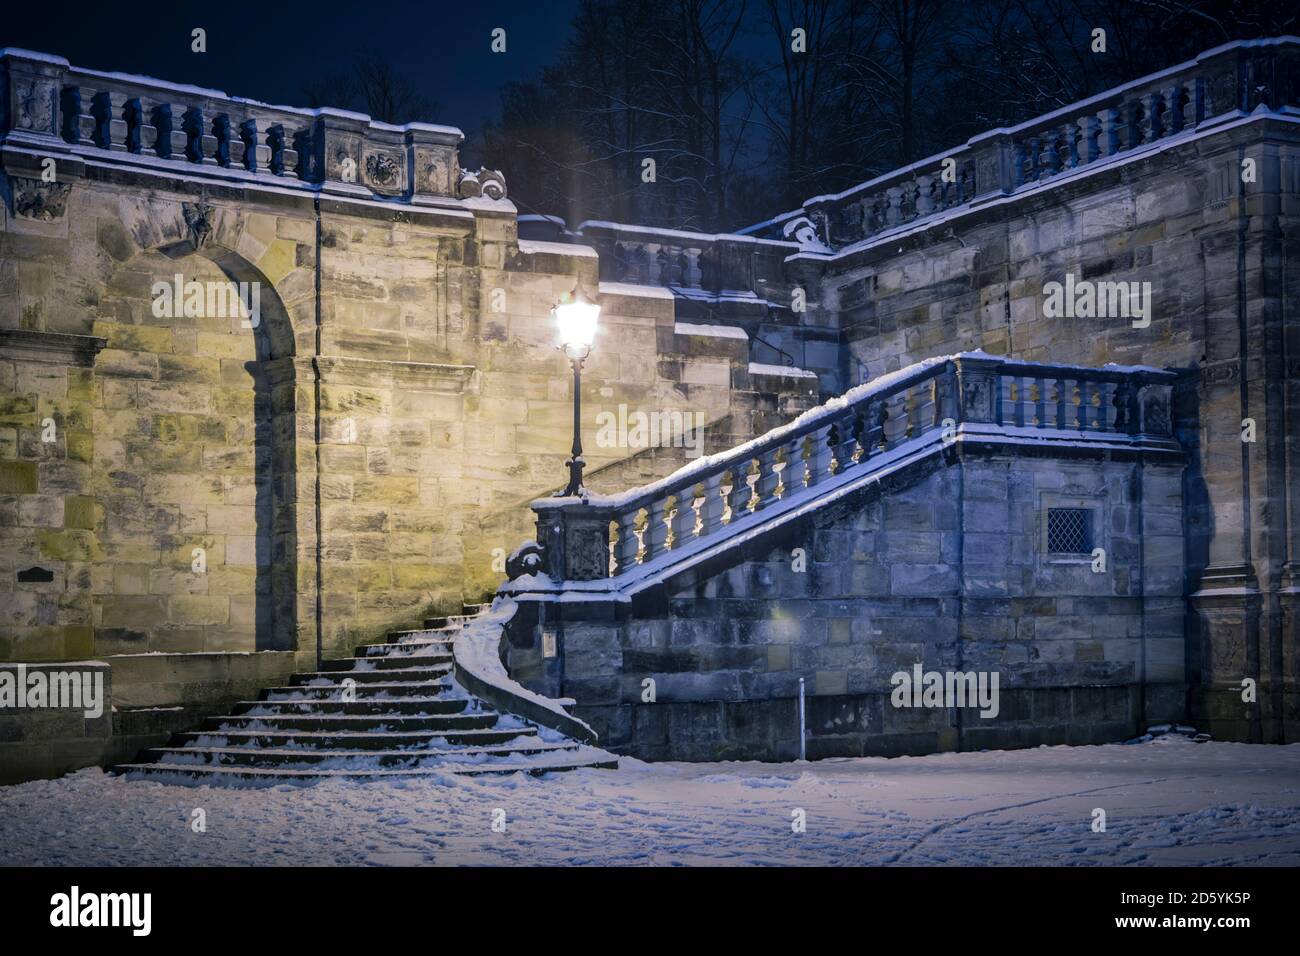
(577, 319)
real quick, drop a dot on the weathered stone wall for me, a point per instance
(412, 424)
(953, 573)
(1218, 254)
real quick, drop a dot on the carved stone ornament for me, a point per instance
(485, 182)
(588, 554)
(803, 231)
(526, 559)
(35, 106)
(39, 200)
(382, 170)
(1155, 413)
(977, 399)
(199, 217)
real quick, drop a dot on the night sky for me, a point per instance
(268, 50)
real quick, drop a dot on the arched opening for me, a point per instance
(199, 480)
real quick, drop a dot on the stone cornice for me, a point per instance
(55, 348)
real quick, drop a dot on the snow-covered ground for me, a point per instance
(1168, 801)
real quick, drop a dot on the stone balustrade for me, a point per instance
(672, 258)
(1217, 86)
(958, 397)
(53, 108)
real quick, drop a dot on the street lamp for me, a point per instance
(576, 318)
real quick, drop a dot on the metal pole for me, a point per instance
(803, 736)
(575, 463)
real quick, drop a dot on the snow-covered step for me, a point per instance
(398, 706)
(362, 740)
(384, 663)
(270, 776)
(377, 690)
(405, 648)
(421, 672)
(269, 756)
(391, 711)
(326, 722)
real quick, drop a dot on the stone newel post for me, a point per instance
(977, 389)
(574, 536)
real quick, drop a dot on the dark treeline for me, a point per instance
(740, 126)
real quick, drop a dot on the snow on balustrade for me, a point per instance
(968, 395)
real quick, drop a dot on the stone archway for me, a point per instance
(212, 447)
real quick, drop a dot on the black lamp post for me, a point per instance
(576, 319)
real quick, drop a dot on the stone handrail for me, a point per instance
(950, 394)
(53, 108)
(1221, 84)
(476, 661)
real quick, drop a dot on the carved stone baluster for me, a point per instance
(1105, 392)
(893, 206)
(1051, 157)
(625, 551)
(768, 478)
(1171, 120)
(1150, 117)
(226, 143)
(115, 126)
(146, 134)
(1040, 399)
(1084, 403)
(1032, 155)
(1132, 120)
(257, 155)
(843, 440)
(202, 145)
(924, 197)
(1108, 134)
(741, 492)
(171, 136)
(87, 118)
(712, 506)
(1088, 148)
(693, 276)
(819, 455)
(683, 519)
(275, 141)
(1070, 152)
(655, 538)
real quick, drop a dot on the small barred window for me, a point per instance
(1069, 530)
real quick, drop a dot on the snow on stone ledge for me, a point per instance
(533, 247)
(635, 291)
(711, 331)
(784, 371)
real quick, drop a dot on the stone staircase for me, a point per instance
(392, 710)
